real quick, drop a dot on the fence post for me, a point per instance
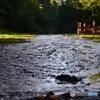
(78, 27)
(84, 28)
(93, 26)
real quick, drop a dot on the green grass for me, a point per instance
(7, 37)
(95, 77)
(12, 37)
(95, 38)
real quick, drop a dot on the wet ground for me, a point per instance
(48, 63)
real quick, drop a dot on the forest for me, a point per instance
(47, 16)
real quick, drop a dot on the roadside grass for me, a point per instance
(7, 37)
(95, 38)
(70, 34)
(95, 77)
(12, 37)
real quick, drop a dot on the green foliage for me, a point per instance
(50, 11)
(66, 19)
(72, 11)
(7, 37)
(26, 15)
(21, 15)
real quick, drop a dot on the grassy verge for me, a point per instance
(70, 34)
(95, 77)
(95, 38)
(11, 37)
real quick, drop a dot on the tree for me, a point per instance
(4, 8)
(71, 11)
(21, 15)
(49, 8)
(90, 6)
(66, 18)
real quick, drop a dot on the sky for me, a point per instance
(60, 1)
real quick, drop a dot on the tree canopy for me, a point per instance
(44, 16)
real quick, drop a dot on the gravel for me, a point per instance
(30, 69)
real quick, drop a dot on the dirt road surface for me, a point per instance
(30, 69)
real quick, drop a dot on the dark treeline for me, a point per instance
(47, 16)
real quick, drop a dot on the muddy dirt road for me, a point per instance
(30, 69)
